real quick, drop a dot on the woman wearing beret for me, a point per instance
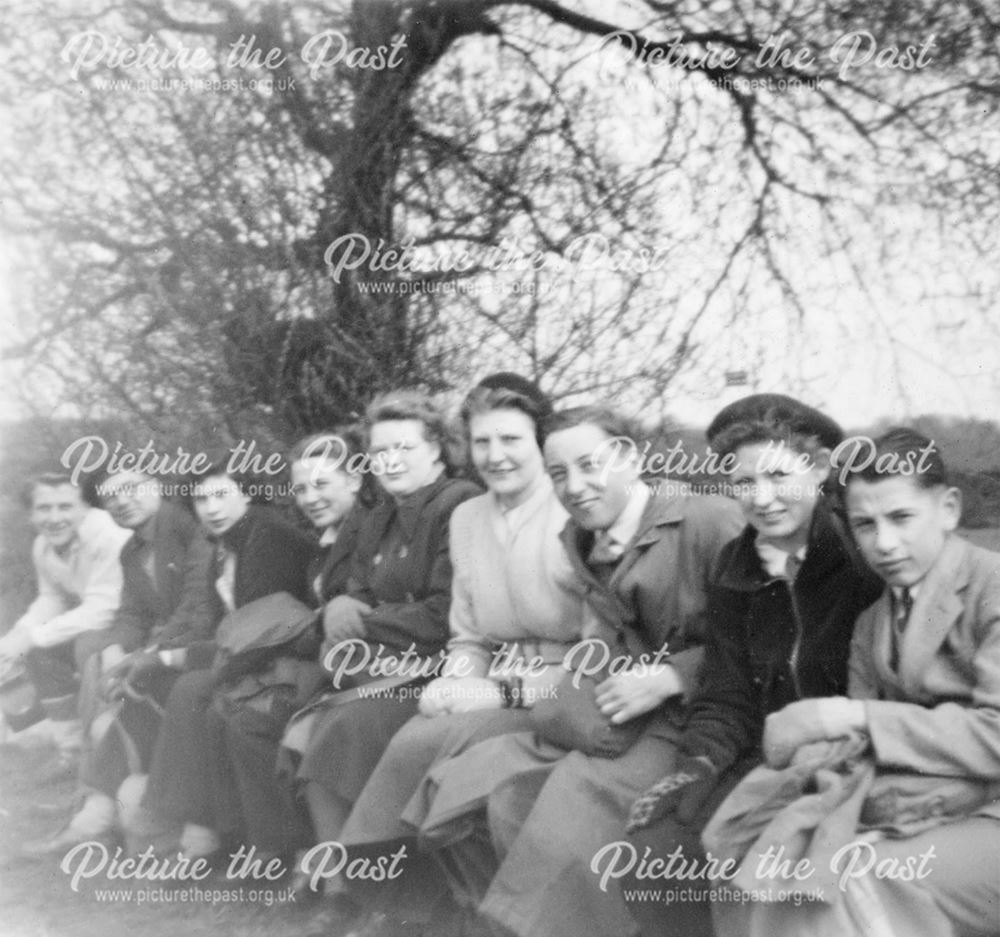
(517, 609)
(781, 614)
(917, 850)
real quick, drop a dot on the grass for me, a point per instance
(36, 898)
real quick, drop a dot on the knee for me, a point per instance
(191, 692)
(417, 740)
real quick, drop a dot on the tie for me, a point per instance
(902, 605)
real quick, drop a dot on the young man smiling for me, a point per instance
(166, 602)
(75, 555)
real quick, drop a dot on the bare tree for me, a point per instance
(615, 198)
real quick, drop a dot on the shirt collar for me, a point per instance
(775, 560)
(408, 511)
(329, 537)
(626, 526)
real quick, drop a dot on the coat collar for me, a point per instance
(236, 537)
(410, 510)
(937, 606)
(661, 512)
(827, 548)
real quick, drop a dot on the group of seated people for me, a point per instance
(533, 690)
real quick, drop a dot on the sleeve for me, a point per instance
(49, 602)
(422, 623)
(717, 524)
(469, 653)
(99, 599)
(862, 681)
(724, 718)
(955, 739)
(197, 614)
(131, 624)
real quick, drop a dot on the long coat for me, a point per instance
(770, 641)
(258, 802)
(402, 570)
(550, 810)
(271, 556)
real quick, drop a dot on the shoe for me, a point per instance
(199, 842)
(95, 820)
(62, 842)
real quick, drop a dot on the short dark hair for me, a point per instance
(605, 418)
(414, 405)
(904, 452)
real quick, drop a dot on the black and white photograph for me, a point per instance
(500, 468)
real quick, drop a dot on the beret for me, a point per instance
(780, 410)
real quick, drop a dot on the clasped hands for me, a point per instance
(130, 676)
(810, 720)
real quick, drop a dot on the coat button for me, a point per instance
(376, 559)
(403, 552)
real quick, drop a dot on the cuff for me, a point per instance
(839, 716)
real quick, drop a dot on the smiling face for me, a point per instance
(592, 477)
(777, 488)
(219, 503)
(505, 453)
(901, 527)
(403, 459)
(131, 498)
(323, 492)
(57, 511)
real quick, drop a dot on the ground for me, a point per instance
(36, 898)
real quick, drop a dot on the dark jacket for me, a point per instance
(330, 571)
(272, 555)
(771, 642)
(181, 605)
(401, 567)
